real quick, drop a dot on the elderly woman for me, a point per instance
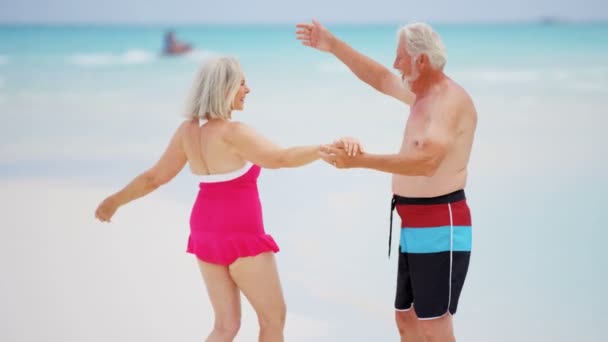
(226, 229)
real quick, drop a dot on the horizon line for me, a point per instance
(546, 20)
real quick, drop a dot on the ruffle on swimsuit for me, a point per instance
(225, 250)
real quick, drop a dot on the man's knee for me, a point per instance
(409, 328)
(406, 321)
(437, 329)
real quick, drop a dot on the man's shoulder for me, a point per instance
(457, 98)
(454, 102)
(457, 92)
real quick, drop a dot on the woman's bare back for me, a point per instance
(206, 148)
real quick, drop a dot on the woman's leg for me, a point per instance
(258, 278)
(225, 299)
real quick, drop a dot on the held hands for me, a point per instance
(314, 35)
(343, 153)
(106, 209)
(351, 146)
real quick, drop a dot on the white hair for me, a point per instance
(214, 89)
(420, 38)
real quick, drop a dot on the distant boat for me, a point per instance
(173, 47)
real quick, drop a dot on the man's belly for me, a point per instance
(418, 186)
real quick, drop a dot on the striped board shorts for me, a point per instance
(435, 248)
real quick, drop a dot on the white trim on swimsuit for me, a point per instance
(223, 177)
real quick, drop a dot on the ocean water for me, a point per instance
(83, 109)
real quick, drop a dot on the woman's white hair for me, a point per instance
(215, 86)
(420, 38)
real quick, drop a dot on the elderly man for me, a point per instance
(429, 173)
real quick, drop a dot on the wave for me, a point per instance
(589, 86)
(332, 67)
(200, 55)
(513, 76)
(508, 76)
(530, 75)
(58, 148)
(130, 57)
(2, 98)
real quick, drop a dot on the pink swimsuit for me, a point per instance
(226, 221)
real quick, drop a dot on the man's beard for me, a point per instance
(409, 80)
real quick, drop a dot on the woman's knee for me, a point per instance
(227, 326)
(275, 318)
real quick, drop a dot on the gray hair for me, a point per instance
(420, 38)
(214, 88)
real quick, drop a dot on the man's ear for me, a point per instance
(422, 61)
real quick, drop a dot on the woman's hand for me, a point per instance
(106, 209)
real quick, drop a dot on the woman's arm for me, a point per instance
(168, 166)
(256, 148)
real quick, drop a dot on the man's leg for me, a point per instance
(405, 316)
(436, 246)
(438, 329)
(409, 326)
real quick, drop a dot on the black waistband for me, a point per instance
(455, 196)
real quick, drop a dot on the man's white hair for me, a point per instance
(214, 89)
(420, 38)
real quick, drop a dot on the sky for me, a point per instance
(286, 11)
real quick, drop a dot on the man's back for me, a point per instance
(448, 109)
